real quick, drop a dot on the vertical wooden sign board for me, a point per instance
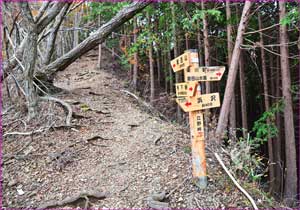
(190, 99)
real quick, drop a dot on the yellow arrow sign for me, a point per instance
(201, 102)
(185, 60)
(203, 74)
(186, 89)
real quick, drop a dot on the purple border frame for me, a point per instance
(115, 1)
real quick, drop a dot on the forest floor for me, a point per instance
(115, 146)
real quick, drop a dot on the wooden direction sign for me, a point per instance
(201, 102)
(204, 74)
(186, 89)
(184, 61)
(189, 98)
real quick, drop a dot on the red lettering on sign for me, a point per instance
(190, 89)
(174, 65)
(218, 74)
(188, 104)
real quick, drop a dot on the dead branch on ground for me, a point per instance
(235, 182)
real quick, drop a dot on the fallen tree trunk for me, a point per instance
(94, 39)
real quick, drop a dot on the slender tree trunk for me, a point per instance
(135, 55)
(152, 85)
(267, 105)
(199, 42)
(186, 41)
(206, 45)
(99, 46)
(170, 72)
(243, 96)
(152, 79)
(229, 90)
(158, 67)
(232, 116)
(279, 167)
(165, 70)
(290, 188)
(176, 54)
(76, 26)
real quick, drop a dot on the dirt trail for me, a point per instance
(133, 154)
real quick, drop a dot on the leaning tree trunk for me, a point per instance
(290, 188)
(229, 90)
(93, 40)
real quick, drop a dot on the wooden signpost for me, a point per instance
(190, 99)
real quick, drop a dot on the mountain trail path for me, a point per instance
(114, 146)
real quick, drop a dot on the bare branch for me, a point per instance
(42, 10)
(235, 182)
(50, 15)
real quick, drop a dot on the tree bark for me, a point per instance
(232, 116)
(199, 42)
(243, 97)
(94, 39)
(290, 188)
(30, 58)
(267, 105)
(229, 90)
(135, 55)
(99, 46)
(279, 167)
(41, 25)
(176, 54)
(158, 67)
(206, 46)
(76, 26)
(170, 71)
(53, 34)
(150, 51)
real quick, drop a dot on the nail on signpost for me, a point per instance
(191, 100)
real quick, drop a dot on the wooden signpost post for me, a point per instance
(190, 99)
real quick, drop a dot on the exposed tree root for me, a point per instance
(66, 105)
(75, 198)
